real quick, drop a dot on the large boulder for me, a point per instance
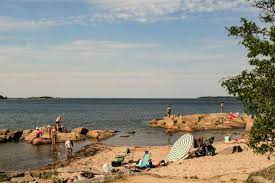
(14, 135)
(62, 137)
(81, 130)
(10, 135)
(99, 134)
(4, 135)
(41, 141)
(25, 134)
(4, 177)
(263, 176)
(199, 122)
(30, 136)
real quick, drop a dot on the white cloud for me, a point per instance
(82, 46)
(12, 24)
(159, 10)
(142, 11)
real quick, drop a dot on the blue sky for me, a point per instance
(119, 48)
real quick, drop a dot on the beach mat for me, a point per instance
(181, 148)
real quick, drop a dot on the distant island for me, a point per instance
(3, 97)
(43, 97)
(218, 97)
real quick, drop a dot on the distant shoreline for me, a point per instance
(115, 98)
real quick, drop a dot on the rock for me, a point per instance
(4, 177)
(25, 134)
(14, 135)
(131, 132)
(30, 136)
(10, 135)
(187, 129)
(259, 179)
(41, 141)
(88, 175)
(4, 131)
(23, 179)
(4, 135)
(170, 130)
(3, 140)
(81, 130)
(232, 150)
(99, 134)
(266, 175)
(198, 122)
(62, 137)
(93, 134)
(16, 174)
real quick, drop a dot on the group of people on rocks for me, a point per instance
(52, 131)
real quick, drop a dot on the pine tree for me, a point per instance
(255, 88)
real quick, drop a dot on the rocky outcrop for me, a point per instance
(62, 137)
(7, 135)
(81, 130)
(29, 135)
(197, 122)
(99, 134)
(263, 176)
(25, 134)
(41, 141)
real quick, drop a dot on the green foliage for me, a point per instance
(256, 87)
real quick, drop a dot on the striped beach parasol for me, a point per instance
(181, 148)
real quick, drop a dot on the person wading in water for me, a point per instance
(53, 134)
(69, 148)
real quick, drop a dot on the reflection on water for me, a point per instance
(23, 156)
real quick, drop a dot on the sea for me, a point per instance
(123, 115)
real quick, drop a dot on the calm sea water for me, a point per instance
(116, 114)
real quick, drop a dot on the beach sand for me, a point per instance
(223, 167)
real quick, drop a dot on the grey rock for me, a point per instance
(263, 176)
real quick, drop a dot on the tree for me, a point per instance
(255, 88)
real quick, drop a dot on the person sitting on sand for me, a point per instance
(39, 132)
(69, 148)
(53, 134)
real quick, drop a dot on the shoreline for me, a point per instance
(224, 166)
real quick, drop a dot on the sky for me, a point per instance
(119, 48)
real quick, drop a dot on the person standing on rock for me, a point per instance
(57, 122)
(222, 107)
(168, 111)
(53, 134)
(69, 148)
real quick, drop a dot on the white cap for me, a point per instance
(36, 128)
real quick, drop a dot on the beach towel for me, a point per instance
(181, 148)
(233, 116)
(145, 161)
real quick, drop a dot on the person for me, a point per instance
(39, 132)
(168, 111)
(57, 122)
(222, 107)
(53, 134)
(69, 148)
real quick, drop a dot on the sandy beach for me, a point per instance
(223, 167)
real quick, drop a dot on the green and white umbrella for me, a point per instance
(181, 148)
